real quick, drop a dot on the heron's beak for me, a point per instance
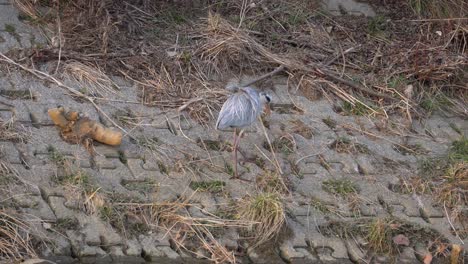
(267, 109)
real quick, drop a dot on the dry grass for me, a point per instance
(79, 189)
(81, 192)
(175, 220)
(15, 238)
(10, 131)
(446, 179)
(415, 185)
(285, 144)
(267, 211)
(94, 81)
(379, 236)
(452, 189)
(180, 58)
(28, 9)
(272, 182)
(301, 128)
(345, 145)
(225, 45)
(324, 207)
(6, 169)
(436, 9)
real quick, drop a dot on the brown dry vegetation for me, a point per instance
(16, 238)
(446, 178)
(181, 54)
(11, 131)
(188, 232)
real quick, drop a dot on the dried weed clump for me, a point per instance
(387, 235)
(175, 220)
(450, 182)
(10, 131)
(16, 239)
(452, 190)
(225, 45)
(80, 191)
(95, 82)
(180, 57)
(445, 178)
(268, 213)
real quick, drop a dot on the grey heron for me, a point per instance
(239, 111)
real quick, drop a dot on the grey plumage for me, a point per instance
(242, 108)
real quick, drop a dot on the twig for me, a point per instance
(272, 150)
(7, 104)
(433, 19)
(275, 71)
(44, 76)
(189, 102)
(352, 49)
(92, 195)
(311, 155)
(138, 9)
(451, 225)
(278, 166)
(319, 69)
(59, 39)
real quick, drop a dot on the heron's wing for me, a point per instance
(237, 111)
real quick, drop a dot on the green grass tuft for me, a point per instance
(459, 150)
(322, 206)
(432, 103)
(163, 168)
(379, 236)
(342, 187)
(229, 169)
(377, 26)
(10, 29)
(345, 145)
(208, 186)
(55, 156)
(329, 122)
(358, 109)
(456, 128)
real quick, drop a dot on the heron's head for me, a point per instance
(265, 98)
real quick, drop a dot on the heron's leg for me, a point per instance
(236, 145)
(236, 139)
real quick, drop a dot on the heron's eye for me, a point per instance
(268, 98)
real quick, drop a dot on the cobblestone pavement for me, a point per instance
(375, 165)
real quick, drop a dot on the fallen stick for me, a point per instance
(352, 49)
(275, 71)
(330, 75)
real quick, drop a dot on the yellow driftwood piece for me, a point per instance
(75, 127)
(98, 132)
(56, 114)
(72, 115)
